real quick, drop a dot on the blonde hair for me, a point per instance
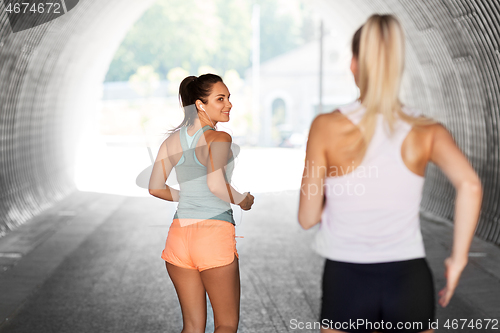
(379, 47)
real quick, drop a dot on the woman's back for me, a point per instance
(196, 201)
(415, 148)
(372, 201)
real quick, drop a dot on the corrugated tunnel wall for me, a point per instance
(49, 75)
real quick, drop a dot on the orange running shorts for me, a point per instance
(202, 245)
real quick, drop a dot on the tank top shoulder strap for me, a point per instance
(188, 150)
(192, 152)
(403, 129)
(199, 134)
(183, 139)
(354, 111)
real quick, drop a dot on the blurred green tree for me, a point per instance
(193, 33)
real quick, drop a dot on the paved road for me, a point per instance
(92, 264)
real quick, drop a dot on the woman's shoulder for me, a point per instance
(330, 120)
(328, 127)
(350, 107)
(411, 111)
(424, 131)
(218, 136)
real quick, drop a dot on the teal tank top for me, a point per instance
(196, 201)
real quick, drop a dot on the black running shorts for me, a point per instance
(395, 296)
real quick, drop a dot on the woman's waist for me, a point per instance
(376, 237)
(371, 228)
(372, 216)
(196, 214)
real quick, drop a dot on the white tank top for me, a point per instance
(371, 214)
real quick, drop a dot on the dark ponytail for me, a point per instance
(191, 89)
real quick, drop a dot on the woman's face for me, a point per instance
(354, 69)
(218, 106)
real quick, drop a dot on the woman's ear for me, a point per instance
(354, 68)
(197, 104)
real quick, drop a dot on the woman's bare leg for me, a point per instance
(223, 288)
(192, 297)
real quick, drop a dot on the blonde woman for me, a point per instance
(365, 167)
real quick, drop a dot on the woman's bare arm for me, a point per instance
(161, 170)
(311, 189)
(454, 164)
(218, 155)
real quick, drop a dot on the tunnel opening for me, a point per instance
(138, 106)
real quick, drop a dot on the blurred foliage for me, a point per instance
(232, 80)
(280, 31)
(175, 77)
(145, 80)
(189, 34)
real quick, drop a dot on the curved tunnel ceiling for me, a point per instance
(49, 76)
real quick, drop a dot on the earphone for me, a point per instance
(207, 115)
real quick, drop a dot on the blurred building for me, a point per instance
(289, 89)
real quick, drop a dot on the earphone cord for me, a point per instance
(241, 217)
(209, 118)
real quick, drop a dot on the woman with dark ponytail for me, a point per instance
(376, 276)
(200, 251)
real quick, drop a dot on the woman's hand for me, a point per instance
(247, 203)
(468, 200)
(453, 270)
